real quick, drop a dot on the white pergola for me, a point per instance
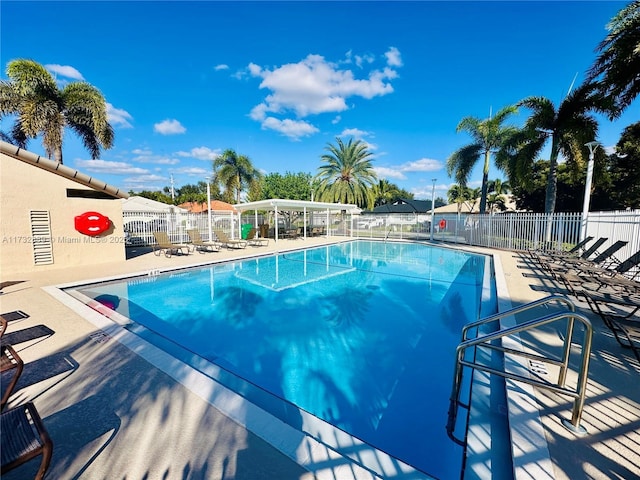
(305, 206)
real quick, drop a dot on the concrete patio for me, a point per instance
(111, 414)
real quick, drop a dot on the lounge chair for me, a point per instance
(164, 243)
(201, 245)
(11, 366)
(600, 261)
(228, 242)
(292, 233)
(24, 438)
(577, 280)
(536, 254)
(254, 240)
(624, 327)
(550, 259)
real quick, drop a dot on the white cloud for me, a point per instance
(293, 129)
(398, 171)
(64, 71)
(385, 172)
(145, 179)
(222, 66)
(336, 119)
(140, 151)
(159, 160)
(192, 171)
(394, 58)
(169, 127)
(422, 165)
(118, 117)
(201, 153)
(115, 168)
(354, 132)
(314, 86)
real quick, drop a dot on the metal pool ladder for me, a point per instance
(490, 341)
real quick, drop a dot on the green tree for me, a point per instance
(569, 127)
(624, 170)
(488, 136)
(385, 192)
(196, 193)
(496, 198)
(235, 172)
(531, 196)
(617, 67)
(290, 186)
(347, 174)
(154, 195)
(462, 195)
(41, 108)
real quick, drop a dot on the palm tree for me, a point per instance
(488, 136)
(617, 68)
(461, 194)
(384, 192)
(496, 197)
(235, 172)
(43, 109)
(347, 175)
(569, 127)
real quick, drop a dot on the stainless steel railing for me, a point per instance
(489, 341)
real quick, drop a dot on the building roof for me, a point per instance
(60, 169)
(404, 205)
(142, 204)
(215, 206)
(297, 206)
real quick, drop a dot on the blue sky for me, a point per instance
(278, 81)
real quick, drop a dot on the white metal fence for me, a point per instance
(139, 226)
(512, 231)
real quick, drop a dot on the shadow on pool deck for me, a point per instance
(611, 448)
(112, 415)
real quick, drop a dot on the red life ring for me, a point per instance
(92, 223)
(443, 224)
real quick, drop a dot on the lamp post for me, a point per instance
(433, 196)
(592, 146)
(209, 208)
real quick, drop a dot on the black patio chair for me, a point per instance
(24, 438)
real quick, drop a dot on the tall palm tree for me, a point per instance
(488, 136)
(617, 68)
(235, 172)
(347, 174)
(569, 127)
(31, 93)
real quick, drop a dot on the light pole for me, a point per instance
(433, 197)
(592, 146)
(209, 208)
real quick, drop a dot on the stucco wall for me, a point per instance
(24, 187)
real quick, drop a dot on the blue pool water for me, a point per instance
(360, 334)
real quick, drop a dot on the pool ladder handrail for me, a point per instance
(483, 341)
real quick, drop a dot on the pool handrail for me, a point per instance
(484, 341)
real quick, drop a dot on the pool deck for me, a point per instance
(112, 414)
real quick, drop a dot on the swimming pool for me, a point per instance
(360, 334)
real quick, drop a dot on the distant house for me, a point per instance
(54, 216)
